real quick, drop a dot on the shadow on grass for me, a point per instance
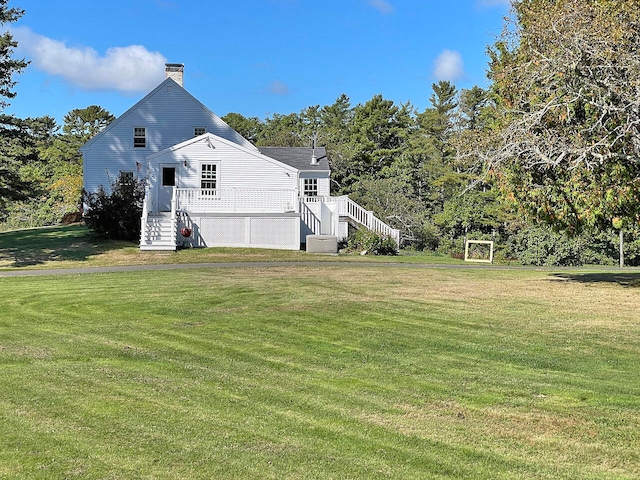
(35, 246)
(627, 279)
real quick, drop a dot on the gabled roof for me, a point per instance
(232, 136)
(215, 138)
(299, 157)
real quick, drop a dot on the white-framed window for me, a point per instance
(310, 187)
(208, 178)
(197, 131)
(139, 137)
(125, 177)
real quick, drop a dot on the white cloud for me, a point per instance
(382, 6)
(449, 66)
(128, 69)
(278, 88)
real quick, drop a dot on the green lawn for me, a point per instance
(74, 246)
(332, 372)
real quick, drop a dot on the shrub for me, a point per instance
(116, 215)
(372, 243)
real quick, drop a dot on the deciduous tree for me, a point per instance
(566, 135)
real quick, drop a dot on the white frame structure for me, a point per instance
(480, 242)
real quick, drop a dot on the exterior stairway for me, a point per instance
(348, 211)
(158, 233)
(358, 215)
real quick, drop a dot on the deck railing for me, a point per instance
(366, 218)
(310, 219)
(236, 200)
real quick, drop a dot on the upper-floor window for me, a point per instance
(209, 178)
(139, 137)
(310, 187)
(197, 131)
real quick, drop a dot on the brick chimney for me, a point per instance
(175, 71)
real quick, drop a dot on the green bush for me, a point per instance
(372, 243)
(542, 246)
(116, 215)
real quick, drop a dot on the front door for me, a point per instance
(167, 182)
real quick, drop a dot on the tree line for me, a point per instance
(544, 161)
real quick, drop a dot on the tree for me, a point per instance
(284, 131)
(378, 131)
(249, 127)
(8, 65)
(565, 138)
(12, 130)
(84, 123)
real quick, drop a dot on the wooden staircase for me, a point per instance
(348, 211)
(158, 233)
(357, 215)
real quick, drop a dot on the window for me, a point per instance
(139, 137)
(209, 178)
(197, 131)
(310, 187)
(125, 178)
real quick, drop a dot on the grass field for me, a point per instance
(340, 371)
(73, 246)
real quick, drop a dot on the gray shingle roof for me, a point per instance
(298, 157)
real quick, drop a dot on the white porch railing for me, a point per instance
(310, 219)
(145, 208)
(236, 200)
(366, 218)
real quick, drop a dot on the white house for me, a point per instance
(201, 174)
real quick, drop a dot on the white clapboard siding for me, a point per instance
(237, 167)
(169, 113)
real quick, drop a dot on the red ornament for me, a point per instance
(185, 232)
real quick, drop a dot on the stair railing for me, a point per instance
(366, 218)
(145, 214)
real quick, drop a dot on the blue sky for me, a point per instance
(253, 57)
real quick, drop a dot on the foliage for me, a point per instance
(544, 246)
(116, 214)
(44, 183)
(565, 137)
(8, 65)
(83, 123)
(250, 128)
(17, 149)
(370, 243)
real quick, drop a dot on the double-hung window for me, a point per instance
(209, 178)
(310, 187)
(139, 137)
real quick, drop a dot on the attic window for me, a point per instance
(139, 137)
(197, 131)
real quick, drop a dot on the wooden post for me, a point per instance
(621, 248)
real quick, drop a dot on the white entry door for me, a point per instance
(168, 179)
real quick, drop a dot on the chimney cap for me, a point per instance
(174, 66)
